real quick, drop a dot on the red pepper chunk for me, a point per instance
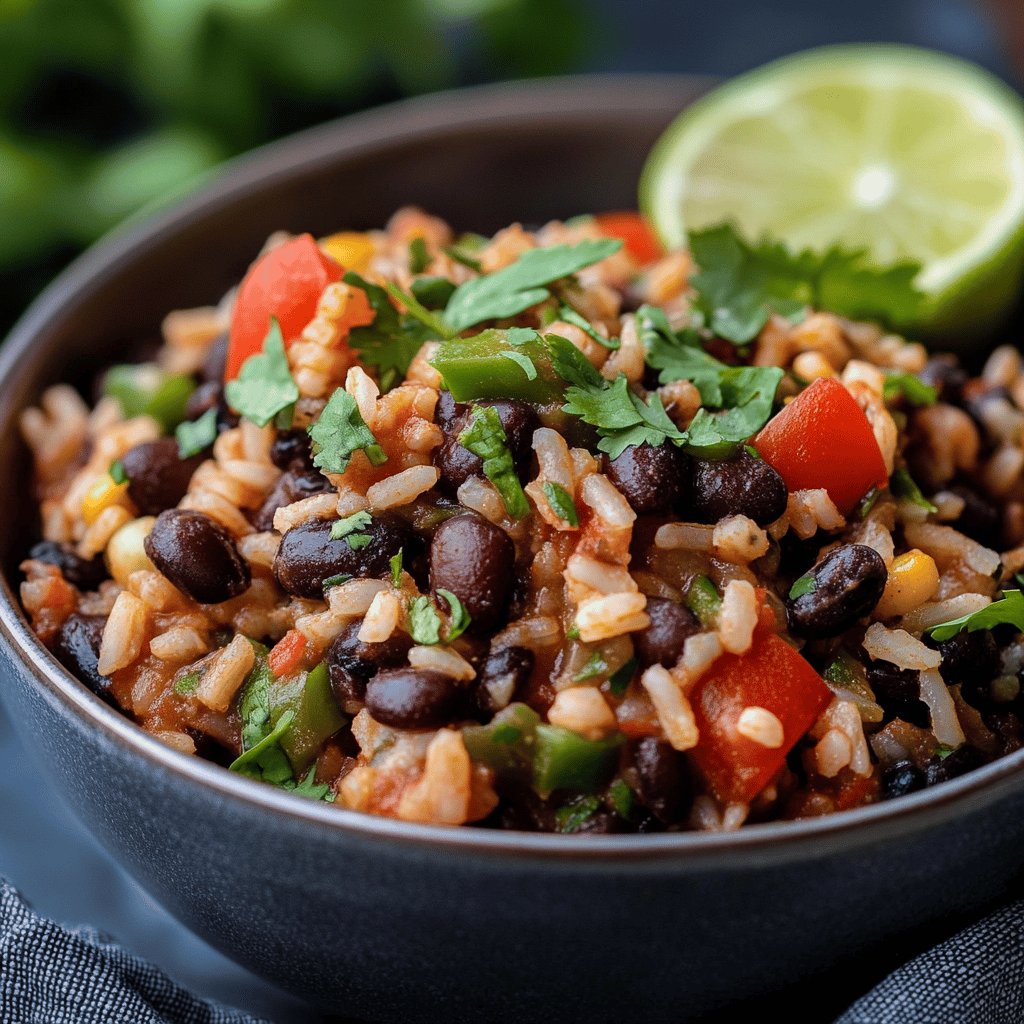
(636, 234)
(285, 283)
(770, 675)
(823, 439)
(287, 654)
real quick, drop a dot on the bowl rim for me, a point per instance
(587, 97)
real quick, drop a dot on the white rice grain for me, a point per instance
(945, 724)
(381, 619)
(123, 634)
(900, 648)
(674, 711)
(737, 618)
(223, 679)
(582, 709)
(612, 615)
(402, 488)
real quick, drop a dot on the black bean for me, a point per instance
(475, 560)
(292, 447)
(198, 556)
(742, 485)
(663, 780)
(78, 650)
(157, 478)
(652, 479)
(502, 677)
(205, 397)
(458, 464)
(447, 409)
(600, 823)
(216, 360)
(293, 485)
(661, 643)
(410, 698)
(945, 374)
(980, 520)
(971, 660)
(86, 575)
(308, 554)
(1007, 726)
(900, 779)
(964, 759)
(352, 663)
(848, 583)
(899, 692)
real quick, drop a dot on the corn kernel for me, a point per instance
(351, 249)
(913, 579)
(125, 551)
(102, 495)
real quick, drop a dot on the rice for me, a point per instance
(123, 634)
(674, 712)
(900, 648)
(402, 488)
(442, 659)
(225, 676)
(602, 617)
(584, 710)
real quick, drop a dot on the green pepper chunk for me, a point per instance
(146, 390)
(316, 715)
(702, 599)
(505, 744)
(481, 367)
(565, 760)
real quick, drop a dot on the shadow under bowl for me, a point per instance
(380, 919)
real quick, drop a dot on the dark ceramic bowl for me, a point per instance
(381, 919)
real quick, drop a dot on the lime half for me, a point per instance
(907, 153)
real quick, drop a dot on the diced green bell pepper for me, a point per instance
(317, 716)
(144, 389)
(476, 367)
(505, 744)
(703, 600)
(565, 760)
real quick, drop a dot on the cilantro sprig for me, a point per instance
(741, 285)
(903, 485)
(195, 436)
(1008, 611)
(485, 437)
(340, 432)
(522, 284)
(459, 616)
(561, 503)
(347, 529)
(264, 389)
(909, 387)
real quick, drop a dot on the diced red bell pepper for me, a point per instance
(823, 439)
(637, 236)
(285, 283)
(770, 675)
(287, 654)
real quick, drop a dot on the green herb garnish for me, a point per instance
(265, 389)
(339, 432)
(524, 362)
(621, 797)
(806, 584)
(336, 581)
(395, 561)
(117, 473)
(1008, 611)
(912, 388)
(570, 316)
(195, 436)
(561, 503)
(867, 503)
(704, 601)
(595, 666)
(460, 618)
(485, 438)
(419, 258)
(419, 312)
(432, 292)
(573, 816)
(186, 685)
(424, 622)
(619, 680)
(741, 285)
(515, 288)
(902, 484)
(346, 529)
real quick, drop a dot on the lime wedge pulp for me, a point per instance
(907, 153)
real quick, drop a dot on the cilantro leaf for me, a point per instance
(570, 316)
(595, 666)
(902, 484)
(1009, 610)
(485, 437)
(910, 387)
(806, 584)
(310, 789)
(264, 387)
(523, 361)
(395, 561)
(461, 618)
(419, 312)
(336, 581)
(561, 503)
(432, 292)
(741, 285)
(195, 436)
(117, 472)
(521, 285)
(390, 343)
(620, 796)
(350, 524)
(339, 432)
(460, 256)
(619, 680)
(424, 622)
(186, 684)
(574, 815)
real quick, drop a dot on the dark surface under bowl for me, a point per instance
(380, 919)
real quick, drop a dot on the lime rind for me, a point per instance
(970, 285)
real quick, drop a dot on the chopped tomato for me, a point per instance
(771, 675)
(287, 654)
(823, 439)
(636, 234)
(285, 283)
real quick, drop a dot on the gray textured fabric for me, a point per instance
(976, 977)
(52, 975)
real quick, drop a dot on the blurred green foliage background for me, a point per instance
(106, 105)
